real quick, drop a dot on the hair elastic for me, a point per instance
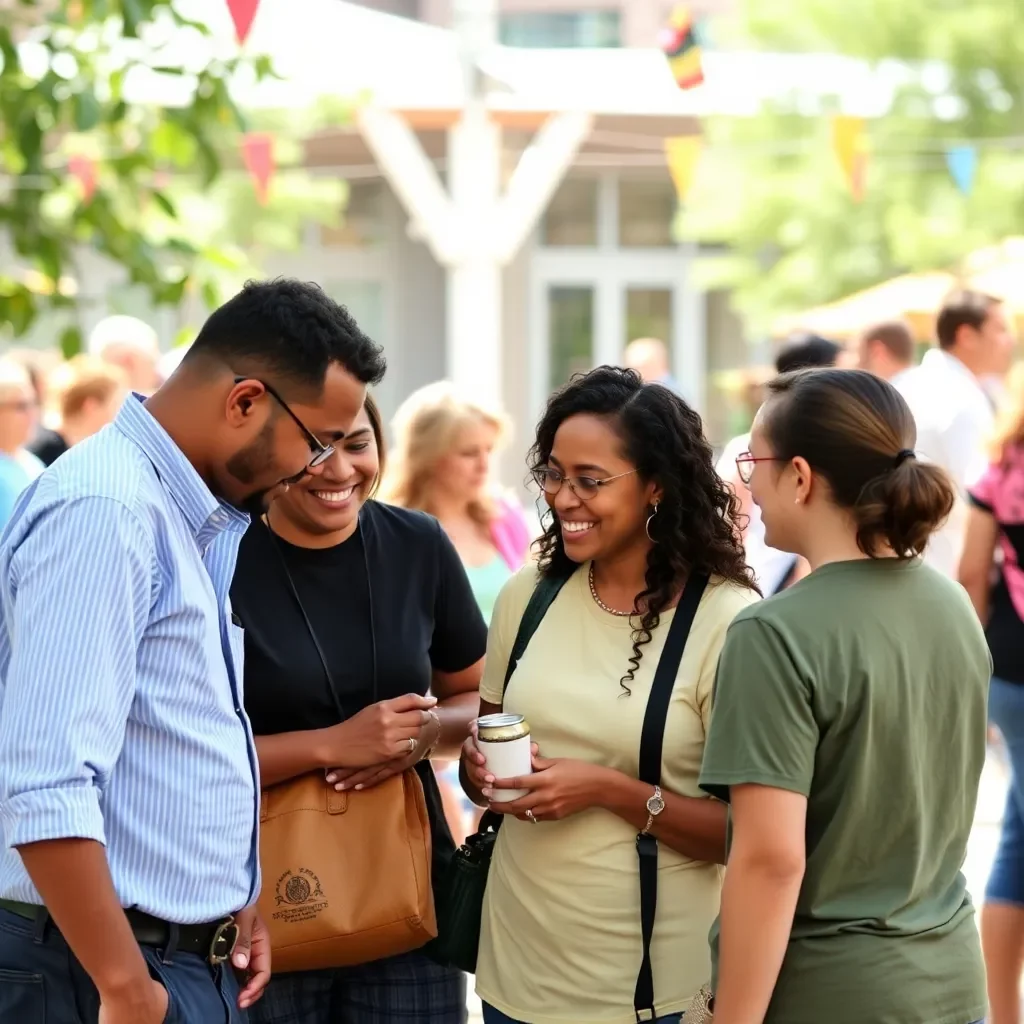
(903, 455)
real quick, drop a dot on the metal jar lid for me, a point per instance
(501, 728)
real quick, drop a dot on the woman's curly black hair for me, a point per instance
(696, 526)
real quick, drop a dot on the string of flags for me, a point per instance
(849, 140)
(681, 43)
(257, 147)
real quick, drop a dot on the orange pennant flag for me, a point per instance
(849, 143)
(683, 155)
(258, 152)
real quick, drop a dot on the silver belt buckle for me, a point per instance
(225, 938)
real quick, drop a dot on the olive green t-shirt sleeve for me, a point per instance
(763, 729)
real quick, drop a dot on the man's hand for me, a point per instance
(557, 789)
(252, 955)
(147, 1005)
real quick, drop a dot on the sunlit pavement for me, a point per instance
(980, 850)
(987, 819)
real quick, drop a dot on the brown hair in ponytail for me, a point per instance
(856, 431)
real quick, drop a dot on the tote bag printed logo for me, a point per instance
(299, 896)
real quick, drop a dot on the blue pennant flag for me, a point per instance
(963, 166)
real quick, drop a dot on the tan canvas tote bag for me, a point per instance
(346, 876)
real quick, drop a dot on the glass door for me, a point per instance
(570, 332)
(649, 315)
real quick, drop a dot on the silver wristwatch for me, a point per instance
(655, 805)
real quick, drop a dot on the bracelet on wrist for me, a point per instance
(429, 752)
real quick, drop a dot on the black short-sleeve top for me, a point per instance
(388, 606)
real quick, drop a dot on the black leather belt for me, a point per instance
(214, 941)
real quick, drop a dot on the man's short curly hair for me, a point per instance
(292, 331)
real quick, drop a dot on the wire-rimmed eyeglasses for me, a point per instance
(550, 481)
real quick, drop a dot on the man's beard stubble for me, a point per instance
(249, 462)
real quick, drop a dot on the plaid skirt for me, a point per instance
(404, 989)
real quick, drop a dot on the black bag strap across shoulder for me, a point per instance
(542, 598)
(652, 740)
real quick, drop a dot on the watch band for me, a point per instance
(650, 814)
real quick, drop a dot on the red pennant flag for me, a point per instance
(242, 14)
(258, 152)
(83, 170)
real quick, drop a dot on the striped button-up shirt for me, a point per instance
(121, 677)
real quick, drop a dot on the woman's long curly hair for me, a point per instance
(696, 527)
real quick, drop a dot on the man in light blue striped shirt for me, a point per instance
(129, 796)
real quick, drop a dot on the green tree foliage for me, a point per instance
(770, 187)
(137, 87)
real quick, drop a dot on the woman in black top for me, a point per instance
(392, 610)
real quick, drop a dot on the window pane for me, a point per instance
(649, 315)
(571, 217)
(570, 332)
(646, 212)
(361, 221)
(550, 29)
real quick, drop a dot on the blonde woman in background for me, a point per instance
(86, 394)
(444, 444)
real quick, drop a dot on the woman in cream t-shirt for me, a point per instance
(637, 505)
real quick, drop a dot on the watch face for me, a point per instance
(655, 805)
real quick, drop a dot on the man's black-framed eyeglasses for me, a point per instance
(321, 452)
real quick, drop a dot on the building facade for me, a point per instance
(564, 23)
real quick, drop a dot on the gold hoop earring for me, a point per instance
(647, 525)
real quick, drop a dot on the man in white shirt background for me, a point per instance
(955, 414)
(132, 345)
(650, 358)
(886, 350)
(774, 570)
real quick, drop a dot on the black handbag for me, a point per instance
(459, 899)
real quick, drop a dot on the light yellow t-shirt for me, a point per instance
(560, 940)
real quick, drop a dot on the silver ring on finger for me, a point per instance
(532, 816)
(412, 744)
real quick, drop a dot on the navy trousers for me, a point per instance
(41, 982)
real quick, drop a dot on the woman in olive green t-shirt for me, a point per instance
(848, 731)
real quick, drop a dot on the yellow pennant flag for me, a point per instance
(848, 141)
(683, 155)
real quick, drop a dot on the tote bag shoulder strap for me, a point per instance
(652, 741)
